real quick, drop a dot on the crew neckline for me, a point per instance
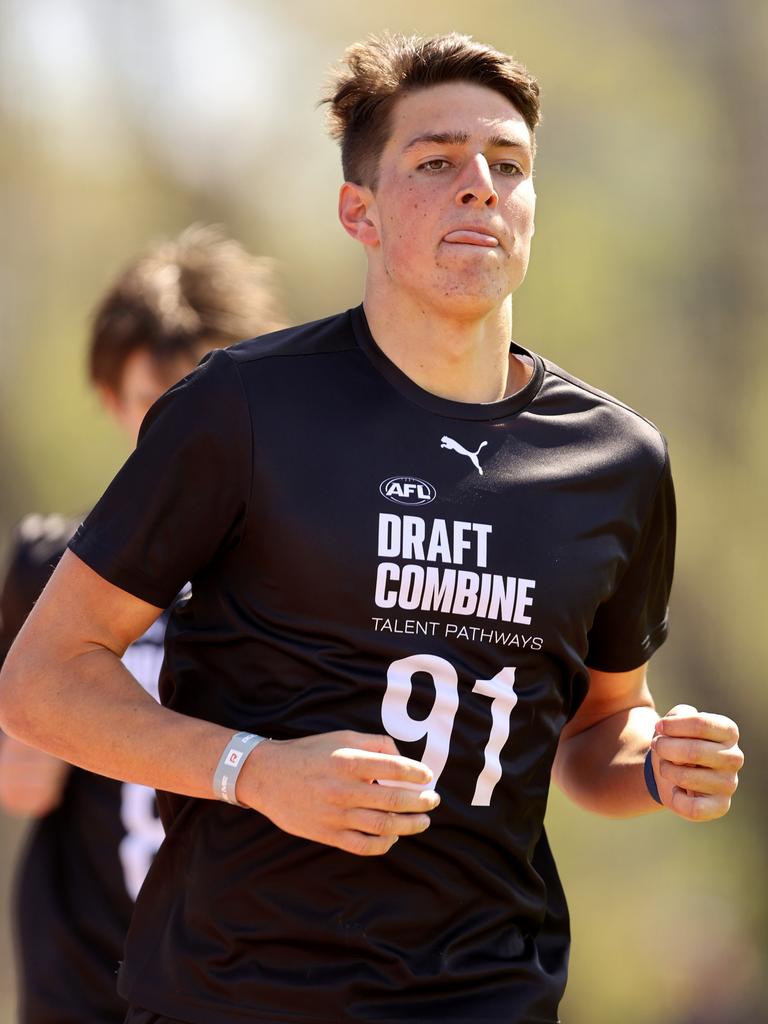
(446, 406)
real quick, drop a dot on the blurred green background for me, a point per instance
(121, 122)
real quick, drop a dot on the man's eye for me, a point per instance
(433, 165)
(508, 168)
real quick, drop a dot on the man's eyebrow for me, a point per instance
(460, 138)
(438, 139)
(503, 142)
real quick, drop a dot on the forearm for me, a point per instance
(601, 768)
(65, 689)
(90, 711)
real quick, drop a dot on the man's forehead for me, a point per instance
(454, 113)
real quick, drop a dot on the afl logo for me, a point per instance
(407, 490)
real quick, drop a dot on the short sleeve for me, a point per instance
(182, 496)
(632, 623)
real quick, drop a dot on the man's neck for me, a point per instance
(465, 359)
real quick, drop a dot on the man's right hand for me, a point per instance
(64, 689)
(324, 788)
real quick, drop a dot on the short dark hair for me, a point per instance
(181, 298)
(375, 73)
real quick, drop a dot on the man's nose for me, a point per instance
(477, 184)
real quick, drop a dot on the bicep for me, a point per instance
(79, 610)
(78, 630)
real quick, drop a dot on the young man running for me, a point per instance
(87, 854)
(424, 561)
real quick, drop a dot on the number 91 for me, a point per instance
(437, 727)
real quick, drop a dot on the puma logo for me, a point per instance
(448, 442)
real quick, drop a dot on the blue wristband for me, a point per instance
(650, 778)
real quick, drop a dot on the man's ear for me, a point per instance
(357, 213)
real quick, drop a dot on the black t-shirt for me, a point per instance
(366, 555)
(84, 862)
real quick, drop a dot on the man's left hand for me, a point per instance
(696, 761)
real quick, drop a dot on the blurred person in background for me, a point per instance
(421, 556)
(88, 852)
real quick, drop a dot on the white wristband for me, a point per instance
(230, 764)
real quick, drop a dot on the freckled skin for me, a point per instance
(461, 185)
(447, 230)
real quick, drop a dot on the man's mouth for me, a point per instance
(468, 236)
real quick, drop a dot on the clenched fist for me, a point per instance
(696, 761)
